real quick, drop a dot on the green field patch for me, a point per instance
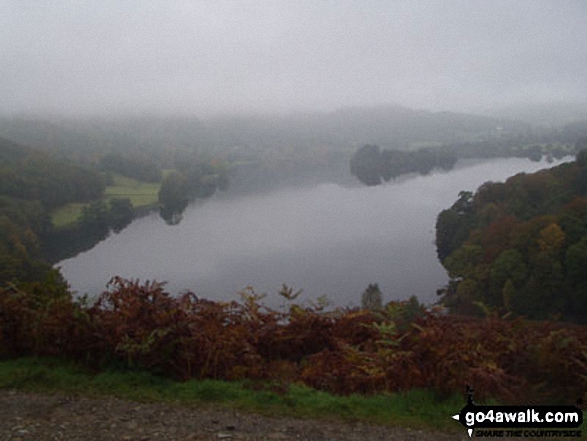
(67, 214)
(141, 194)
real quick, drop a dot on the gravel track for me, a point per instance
(33, 416)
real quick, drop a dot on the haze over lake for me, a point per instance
(326, 239)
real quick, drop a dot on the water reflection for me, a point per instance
(326, 239)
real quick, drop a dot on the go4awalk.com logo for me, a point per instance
(520, 421)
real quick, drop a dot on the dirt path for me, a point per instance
(27, 416)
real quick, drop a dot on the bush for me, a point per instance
(399, 347)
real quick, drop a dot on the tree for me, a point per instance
(95, 218)
(551, 239)
(121, 213)
(575, 263)
(543, 294)
(581, 158)
(372, 298)
(510, 268)
(508, 294)
(580, 183)
(173, 197)
(464, 261)
(173, 192)
(464, 204)
(366, 164)
(447, 227)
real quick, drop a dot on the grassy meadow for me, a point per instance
(141, 194)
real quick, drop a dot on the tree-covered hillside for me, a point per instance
(371, 165)
(344, 129)
(520, 246)
(32, 184)
(30, 174)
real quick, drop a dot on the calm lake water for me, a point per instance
(325, 239)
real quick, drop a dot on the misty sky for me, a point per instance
(205, 57)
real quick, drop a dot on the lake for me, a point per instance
(326, 239)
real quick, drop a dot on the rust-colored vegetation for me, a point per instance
(400, 347)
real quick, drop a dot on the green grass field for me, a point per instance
(66, 215)
(141, 194)
(415, 409)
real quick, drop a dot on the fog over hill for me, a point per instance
(547, 114)
(346, 129)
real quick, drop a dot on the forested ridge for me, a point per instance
(342, 129)
(35, 182)
(31, 174)
(520, 246)
(31, 185)
(372, 166)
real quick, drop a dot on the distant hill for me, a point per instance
(345, 129)
(31, 174)
(11, 152)
(55, 135)
(550, 115)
